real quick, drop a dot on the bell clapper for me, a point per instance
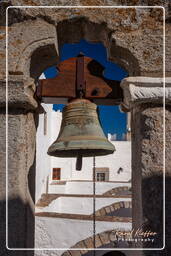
(79, 163)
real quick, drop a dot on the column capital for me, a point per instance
(20, 92)
(138, 90)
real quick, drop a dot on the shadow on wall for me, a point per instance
(32, 180)
(17, 230)
(152, 201)
(154, 209)
(21, 219)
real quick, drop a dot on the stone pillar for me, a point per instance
(147, 176)
(144, 97)
(20, 165)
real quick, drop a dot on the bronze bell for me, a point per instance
(80, 133)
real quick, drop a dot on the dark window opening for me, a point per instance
(102, 173)
(100, 176)
(56, 175)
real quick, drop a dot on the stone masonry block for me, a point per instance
(104, 237)
(107, 209)
(20, 93)
(75, 253)
(89, 242)
(98, 241)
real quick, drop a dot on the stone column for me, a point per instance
(20, 164)
(143, 96)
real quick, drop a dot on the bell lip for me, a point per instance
(91, 150)
(76, 152)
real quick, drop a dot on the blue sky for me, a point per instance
(112, 120)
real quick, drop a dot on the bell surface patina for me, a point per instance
(80, 132)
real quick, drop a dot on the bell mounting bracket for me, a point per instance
(79, 77)
(80, 82)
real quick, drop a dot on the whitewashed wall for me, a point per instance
(84, 188)
(77, 205)
(120, 158)
(65, 233)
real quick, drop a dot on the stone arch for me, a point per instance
(103, 239)
(32, 48)
(32, 51)
(124, 58)
(117, 190)
(107, 210)
(74, 29)
(43, 56)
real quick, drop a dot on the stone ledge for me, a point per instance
(20, 92)
(58, 183)
(144, 90)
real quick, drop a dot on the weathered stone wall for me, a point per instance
(133, 37)
(21, 151)
(149, 144)
(21, 190)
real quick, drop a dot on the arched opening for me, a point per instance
(65, 180)
(73, 30)
(43, 58)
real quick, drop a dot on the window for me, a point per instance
(56, 175)
(102, 174)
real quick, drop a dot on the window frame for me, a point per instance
(102, 170)
(100, 176)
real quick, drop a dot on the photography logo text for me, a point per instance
(133, 235)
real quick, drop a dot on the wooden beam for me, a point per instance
(76, 74)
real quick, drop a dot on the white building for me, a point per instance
(61, 189)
